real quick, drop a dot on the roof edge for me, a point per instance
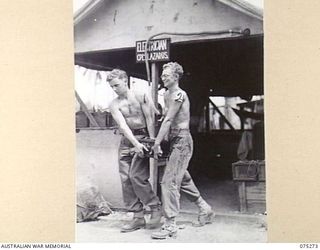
(79, 53)
(85, 10)
(245, 8)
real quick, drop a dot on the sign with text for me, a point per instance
(158, 50)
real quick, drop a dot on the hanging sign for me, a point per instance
(158, 50)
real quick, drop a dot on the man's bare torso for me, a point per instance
(131, 110)
(182, 118)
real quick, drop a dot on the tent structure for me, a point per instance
(230, 65)
(227, 64)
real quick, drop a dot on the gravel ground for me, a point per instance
(226, 228)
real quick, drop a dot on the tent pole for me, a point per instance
(154, 91)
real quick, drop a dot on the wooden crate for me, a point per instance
(110, 121)
(252, 196)
(101, 118)
(261, 171)
(249, 170)
(82, 120)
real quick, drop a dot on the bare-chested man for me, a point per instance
(176, 178)
(134, 115)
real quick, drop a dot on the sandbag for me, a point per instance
(91, 204)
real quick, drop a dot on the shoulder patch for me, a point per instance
(179, 97)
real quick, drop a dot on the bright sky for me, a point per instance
(77, 4)
(257, 3)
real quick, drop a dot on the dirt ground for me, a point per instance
(96, 158)
(229, 226)
(226, 228)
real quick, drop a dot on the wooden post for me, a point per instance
(207, 116)
(242, 120)
(242, 196)
(154, 91)
(221, 115)
(86, 111)
(155, 82)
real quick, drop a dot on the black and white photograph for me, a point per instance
(170, 125)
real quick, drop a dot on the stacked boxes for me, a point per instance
(250, 176)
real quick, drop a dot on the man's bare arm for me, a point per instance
(147, 108)
(118, 117)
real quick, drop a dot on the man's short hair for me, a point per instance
(175, 67)
(117, 73)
